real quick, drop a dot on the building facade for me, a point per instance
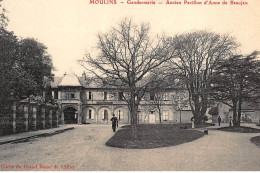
(250, 113)
(81, 101)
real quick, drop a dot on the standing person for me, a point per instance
(114, 122)
(230, 121)
(192, 122)
(219, 120)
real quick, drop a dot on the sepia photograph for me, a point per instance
(129, 85)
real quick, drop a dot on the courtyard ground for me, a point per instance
(84, 149)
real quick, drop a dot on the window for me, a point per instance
(105, 95)
(120, 96)
(89, 95)
(70, 95)
(165, 115)
(55, 94)
(120, 114)
(89, 114)
(165, 96)
(152, 94)
(105, 115)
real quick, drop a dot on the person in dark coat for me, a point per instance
(114, 122)
(230, 121)
(219, 120)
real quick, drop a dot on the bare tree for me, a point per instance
(147, 108)
(126, 55)
(159, 101)
(236, 80)
(180, 100)
(155, 102)
(195, 56)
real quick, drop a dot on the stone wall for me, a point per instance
(22, 116)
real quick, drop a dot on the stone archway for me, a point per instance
(89, 114)
(70, 115)
(121, 112)
(104, 114)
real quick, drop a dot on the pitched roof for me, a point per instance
(66, 80)
(91, 82)
(70, 80)
(56, 82)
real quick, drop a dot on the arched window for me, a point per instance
(90, 114)
(105, 115)
(120, 114)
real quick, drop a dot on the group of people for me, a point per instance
(230, 121)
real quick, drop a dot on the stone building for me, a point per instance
(81, 100)
(250, 113)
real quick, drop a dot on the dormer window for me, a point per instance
(70, 95)
(67, 95)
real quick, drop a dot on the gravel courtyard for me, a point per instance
(84, 149)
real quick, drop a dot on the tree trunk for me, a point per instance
(200, 108)
(198, 116)
(239, 112)
(234, 113)
(180, 116)
(135, 122)
(198, 119)
(133, 111)
(160, 116)
(234, 117)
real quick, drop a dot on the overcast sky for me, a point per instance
(70, 27)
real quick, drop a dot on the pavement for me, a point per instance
(34, 134)
(84, 149)
(227, 124)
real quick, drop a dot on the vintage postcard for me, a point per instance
(129, 85)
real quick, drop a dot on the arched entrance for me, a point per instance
(70, 115)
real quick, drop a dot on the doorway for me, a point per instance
(70, 115)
